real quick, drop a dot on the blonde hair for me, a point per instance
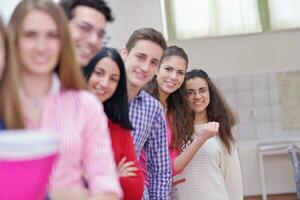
(10, 109)
(67, 68)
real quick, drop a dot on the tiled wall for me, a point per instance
(254, 98)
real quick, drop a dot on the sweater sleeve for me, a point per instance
(231, 169)
(133, 187)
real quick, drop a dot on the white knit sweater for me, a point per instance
(213, 174)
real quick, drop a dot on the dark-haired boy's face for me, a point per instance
(87, 29)
(141, 62)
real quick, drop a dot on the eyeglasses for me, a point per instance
(201, 92)
(89, 29)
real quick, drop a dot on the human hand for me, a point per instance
(178, 181)
(209, 130)
(126, 168)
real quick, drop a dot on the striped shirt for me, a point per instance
(213, 173)
(147, 117)
(79, 122)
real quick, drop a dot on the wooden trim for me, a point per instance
(290, 196)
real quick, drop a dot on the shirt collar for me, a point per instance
(55, 84)
(54, 88)
(140, 96)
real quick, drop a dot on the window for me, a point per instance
(284, 14)
(200, 18)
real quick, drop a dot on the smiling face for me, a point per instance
(198, 94)
(141, 63)
(39, 43)
(87, 29)
(104, 79)
(171, 74)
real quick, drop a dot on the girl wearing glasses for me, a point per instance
(215, 168)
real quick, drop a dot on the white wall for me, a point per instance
(6, 8)
(219, 56)
(241, 54)
(131, 15)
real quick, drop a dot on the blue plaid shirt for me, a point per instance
(147, 117)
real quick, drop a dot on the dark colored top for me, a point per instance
(149, 133)
(2, 126)
(122, 144)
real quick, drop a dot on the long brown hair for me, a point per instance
(67, 67)
(218, 109)
(10, 109)
(179, 114)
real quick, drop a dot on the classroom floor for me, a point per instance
(292, 196)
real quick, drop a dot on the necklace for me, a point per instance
(37, 103)
(34, 102)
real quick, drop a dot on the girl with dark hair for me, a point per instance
(215, 168)
(169, 88)
(106, 78)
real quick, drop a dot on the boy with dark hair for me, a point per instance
(142, 57)
(87, 22)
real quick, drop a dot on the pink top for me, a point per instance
(78, 120)
(173, 152)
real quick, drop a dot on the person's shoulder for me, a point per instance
(82, 95)
(118, 132)
(150, 100)
(115, 127)
(82, 99)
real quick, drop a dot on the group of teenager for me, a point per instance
(127, 121)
